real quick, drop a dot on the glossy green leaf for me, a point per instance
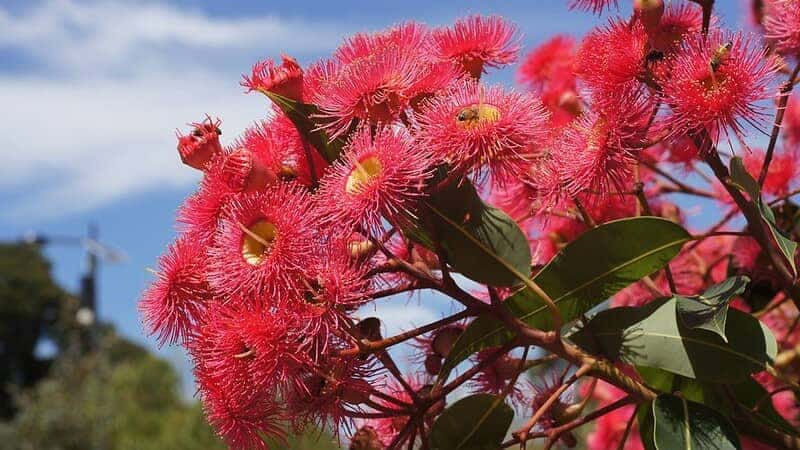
(746, 183)
(681, 424)
(644, 418)
(479, 241)
(750, 393)
(595, 266)
(653, 336)
(477, 422)
(301, 115)
(747, 394)
(709, 311)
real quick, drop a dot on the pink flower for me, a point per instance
(679, 21)
(477, 42)
(200, 214)
(611, 59)
(791, 124)
(548, 62)
(199, 147)
(715, 84)
(595, 6)
(280, 150)
(472, 127)
(375, 78)
(596, 152)
(263, 245)
(782, 25)
(380, 176)
(285, 79)
(176, 300)
(782, 171)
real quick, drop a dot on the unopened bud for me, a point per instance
(242, 171)
(445, 339)
(570, 102)
(649, 13)
(199, 147)
(433, 364)
(366, 438)
(369, 329)
(360, 249)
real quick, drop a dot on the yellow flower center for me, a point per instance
(472, 116)
(364, 171)
(257, 241)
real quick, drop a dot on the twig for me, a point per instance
(786, 89)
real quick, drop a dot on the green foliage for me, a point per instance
(31, 307)
(478, 240)
(653, 336)
(586, 272)
(746, 183)
(301, 114)
(709, 311)
(676, 423)
(477, 422)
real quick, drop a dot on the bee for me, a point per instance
(468, 114)
(720, 55)
(655, 56)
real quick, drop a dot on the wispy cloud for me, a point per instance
(91, 116)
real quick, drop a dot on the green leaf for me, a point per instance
(300, 114)
(644, 417)
(709, 311)
(750, 393)
(652, 336)
(477, 422)
(682, 424)
(479, 241)
(747, 394)
(592, 268)
(746, 183)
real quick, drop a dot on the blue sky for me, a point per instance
(93, 91)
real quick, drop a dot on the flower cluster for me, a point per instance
(326, 206)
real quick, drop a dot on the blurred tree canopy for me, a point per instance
(117, 396)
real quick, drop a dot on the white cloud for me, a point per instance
(114, 37)
(92, 117)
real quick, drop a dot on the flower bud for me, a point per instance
(649, 13)
(369, 329)
(445, 339)
(366, 438)
(433, 364)
(242, 171)
(197, 148)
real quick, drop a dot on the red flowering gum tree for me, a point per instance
(555, 216)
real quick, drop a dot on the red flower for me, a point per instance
(380, 176)
(375, 78)
(679, 21)
(278, 148)
(242, 418)
(716, 82)
(611, 59)
(549, 62)
(285, 80)
(476, 42)
(199, 147)
(783, 170)
(595, 6)
(175, 301)
(472, 127)
(596, 152)
(782, 25)
(263, 246)
(200, 214)
(791, 123)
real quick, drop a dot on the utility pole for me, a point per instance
(96, 252)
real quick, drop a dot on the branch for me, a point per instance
(786, 89)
